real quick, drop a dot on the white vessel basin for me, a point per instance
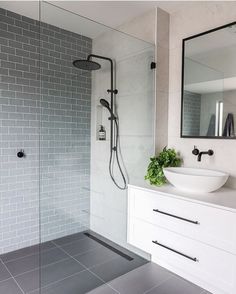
(194, 179)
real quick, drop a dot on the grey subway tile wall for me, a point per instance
(45, 109)
(192, 113)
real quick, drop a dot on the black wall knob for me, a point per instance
(195, 151)
(21, 154)
(210, 152)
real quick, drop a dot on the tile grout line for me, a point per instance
(14, 279)
(1, 262)
(39, 267)
(183, 279)
(89, 270)
(27, 254)
(171, 277)
(102, 263)
(53, 241)
(52, 283)
(61, 247)
(5, 280)
(156, 286)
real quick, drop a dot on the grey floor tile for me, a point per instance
(97, 256)
(104, 289)
(26, 251)
(69, 239)
(116, 267)
(4, 274)
(59, 271)
(24, 264)
(48, 274)
(51, 256)
(29, 281)
(176, 286)
(31, 262)
(80, 283)
(9, 287)
(46, 245)
(19, 253)
(141, 279)
(81, 246)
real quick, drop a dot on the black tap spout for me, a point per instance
(209, 152)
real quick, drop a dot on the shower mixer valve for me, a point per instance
(21, 153)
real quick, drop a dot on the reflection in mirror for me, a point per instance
(209, 84)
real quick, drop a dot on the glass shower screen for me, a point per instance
(82, 212)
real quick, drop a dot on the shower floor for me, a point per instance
(73, 264)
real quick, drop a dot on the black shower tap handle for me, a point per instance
(21, 154)
(195, 151)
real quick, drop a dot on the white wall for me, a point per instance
(153, 26)
(162, 78)
(194, 19)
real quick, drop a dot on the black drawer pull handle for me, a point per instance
(182, 218)
(173, 250)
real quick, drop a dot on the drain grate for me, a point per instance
(122, 254)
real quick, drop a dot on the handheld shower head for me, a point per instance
(105, 104)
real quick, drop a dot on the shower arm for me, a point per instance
(112, 92)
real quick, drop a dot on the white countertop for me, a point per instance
(224, 198)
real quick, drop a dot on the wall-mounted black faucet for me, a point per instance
(199, 154)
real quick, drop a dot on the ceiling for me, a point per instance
(214, 86)
(206, 44)
(108, 13)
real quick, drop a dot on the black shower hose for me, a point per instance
(115, 149)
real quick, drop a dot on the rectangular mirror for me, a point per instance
(209, 84)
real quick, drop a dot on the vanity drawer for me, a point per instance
(207, 224)
(207, 266)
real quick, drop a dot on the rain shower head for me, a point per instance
(86, 64)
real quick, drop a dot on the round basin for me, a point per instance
(195, 179)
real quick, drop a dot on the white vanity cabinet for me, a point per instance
(193, 236)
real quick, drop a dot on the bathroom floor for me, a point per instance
(83, 263)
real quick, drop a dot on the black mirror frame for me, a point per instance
(182, 83)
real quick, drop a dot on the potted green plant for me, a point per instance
(166, 158)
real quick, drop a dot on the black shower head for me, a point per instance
(105, 103)
(86, 64)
